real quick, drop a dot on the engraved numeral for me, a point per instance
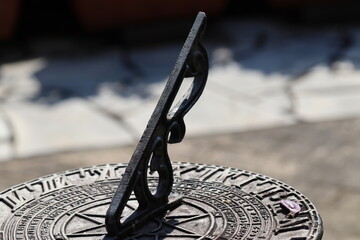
(269, 192)
(53, 184)
(248, 181)
(291, 225)
(107, 172)
(217, 174)
(14, 199)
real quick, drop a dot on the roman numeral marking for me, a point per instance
(53, 184)
(269, 192)
(107, 172)
(217, 174)
(14, 199)
(292, 225)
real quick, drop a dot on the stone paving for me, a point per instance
(71, 97)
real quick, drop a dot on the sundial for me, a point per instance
(154, 198)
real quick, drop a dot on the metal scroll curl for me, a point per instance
(165, 126)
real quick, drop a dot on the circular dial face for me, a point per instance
(218, 203)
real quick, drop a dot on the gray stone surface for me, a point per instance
(274, 47)
(6, 151)
(5, 132)
(227, 115)
(328, 94)
(6, 138)
(262, 74)
(18, 82)
(69, 125)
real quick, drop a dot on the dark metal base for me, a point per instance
(216, 203)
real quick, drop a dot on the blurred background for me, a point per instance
(79, 80)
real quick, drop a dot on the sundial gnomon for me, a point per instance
(175, 201)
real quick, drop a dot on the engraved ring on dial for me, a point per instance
(218, 203)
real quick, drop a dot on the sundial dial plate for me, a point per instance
(218, 203)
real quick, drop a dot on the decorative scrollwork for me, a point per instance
(165, 126)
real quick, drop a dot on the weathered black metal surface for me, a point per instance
(165, 125)
(218, 203)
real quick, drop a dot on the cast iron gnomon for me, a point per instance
(165, 126)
